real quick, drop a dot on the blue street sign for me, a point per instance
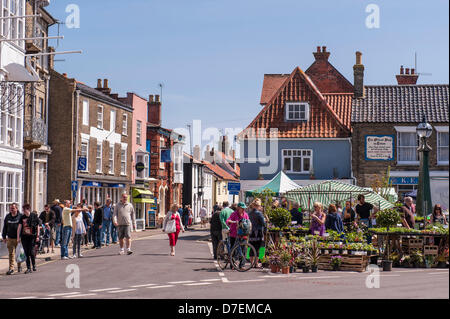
(74, 194)
(234, 188)
(74, 186)
(82, 163)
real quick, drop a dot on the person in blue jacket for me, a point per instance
(334, 220)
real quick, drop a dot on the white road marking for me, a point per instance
(249, 280)
(156, 287)
(437, 273)
(123, 290)
(81, 295)
(29, 297)
(64, 294)
(105, 289)
(324, 277)
(181, 282)
(140, 286)
(221, 274)
(211, 280)
(198, 284)
(224, 279)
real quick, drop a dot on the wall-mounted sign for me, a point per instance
(404, 180)
(140, 167)
(379, 147)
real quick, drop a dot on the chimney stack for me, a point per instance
(104, 89)
(321, 54)
(99, 84)
(406, 77)
(358, 72)
(197, 155)
(154, 110)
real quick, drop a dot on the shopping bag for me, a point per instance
(171, 227)
(20, 254)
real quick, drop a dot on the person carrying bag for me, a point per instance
(172, 225)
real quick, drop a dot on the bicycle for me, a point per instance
(239, 258)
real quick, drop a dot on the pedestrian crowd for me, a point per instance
(62, 223)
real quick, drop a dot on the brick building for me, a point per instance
(166, 159)
(88, 123)
(384, 122)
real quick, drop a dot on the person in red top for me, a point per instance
(173, 217)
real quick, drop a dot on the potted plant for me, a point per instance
(285, 260)
(274, 261)
(312, 255)
(405, 261)
(336, 262)
(417, 258)
(429, 261)
(388, 218)
(442, 259)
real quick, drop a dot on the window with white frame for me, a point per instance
(138, 132)
(125, 124)
(297, 111)
(111, 159)
(13, 28)
(85, 152)
(100, 117)
(442, 145)
(112, 121)
(297, 161)
(123, 161)
(86, 112)
(98, 158)
(407, 144)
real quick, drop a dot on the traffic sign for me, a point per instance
(82, 163)
(74, 186)
(234, 188)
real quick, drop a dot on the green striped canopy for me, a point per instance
(331, 192)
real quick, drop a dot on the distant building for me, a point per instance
(384, 125)
(303, 128)
(90, 134)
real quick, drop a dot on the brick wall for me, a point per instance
(365, 171)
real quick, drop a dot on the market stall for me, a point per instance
(280, 184)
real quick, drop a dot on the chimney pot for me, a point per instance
(105, 83)
(413, 71)
(99, 83)
(65, 75)
(407, 70)
(157, 98)
(150, 98)
(318, 49)
(358, 57)
(402, 70)
(324, 49)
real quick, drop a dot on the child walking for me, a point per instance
(79, 230)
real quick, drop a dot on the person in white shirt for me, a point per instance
(203, 216)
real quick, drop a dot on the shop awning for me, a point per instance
(142, 196)
(18, 73)
(330, 192)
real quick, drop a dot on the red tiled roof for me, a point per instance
(219, 172)
(272, 82)
(341, 103)
(325, 120)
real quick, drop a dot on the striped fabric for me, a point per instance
(330, 192)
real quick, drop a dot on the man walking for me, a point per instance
(107, 222)
(216, 231)
(407, 213)
(57, 210)
(47, 218)
(98, 224)
(124, 219)
(9, 234)
(224, 215)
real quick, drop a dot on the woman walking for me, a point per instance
(28, 235)
(172, 225)
(258, 229)
(78, 232)
(318, 218)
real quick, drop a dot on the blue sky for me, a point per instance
(211, 55)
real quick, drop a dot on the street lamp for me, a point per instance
(423, 202)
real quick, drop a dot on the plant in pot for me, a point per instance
(388, 218)
(336, 262)
(442, 259)
(313, 255)
(405, 261)
(417, 258)
(285, 261)
(274, 261)
(430, 261)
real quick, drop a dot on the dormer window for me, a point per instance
(297, 111)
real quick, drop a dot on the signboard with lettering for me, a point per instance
(234, 188)
(404, 180)
(379, 147)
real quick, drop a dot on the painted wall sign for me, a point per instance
(379, 147)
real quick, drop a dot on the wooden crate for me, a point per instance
(349, 263)
(430, 250)
(412, 243)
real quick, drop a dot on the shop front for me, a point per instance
(143, 202)
(93, 192)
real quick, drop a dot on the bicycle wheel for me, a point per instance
(240, 256)
(222, 255)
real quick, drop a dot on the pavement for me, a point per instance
(150, 273)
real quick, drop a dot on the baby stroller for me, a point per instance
(44, 240)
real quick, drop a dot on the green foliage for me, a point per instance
(280, 217)
(313, 253)
(388, 217)
(417, 257)
(285, 258)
